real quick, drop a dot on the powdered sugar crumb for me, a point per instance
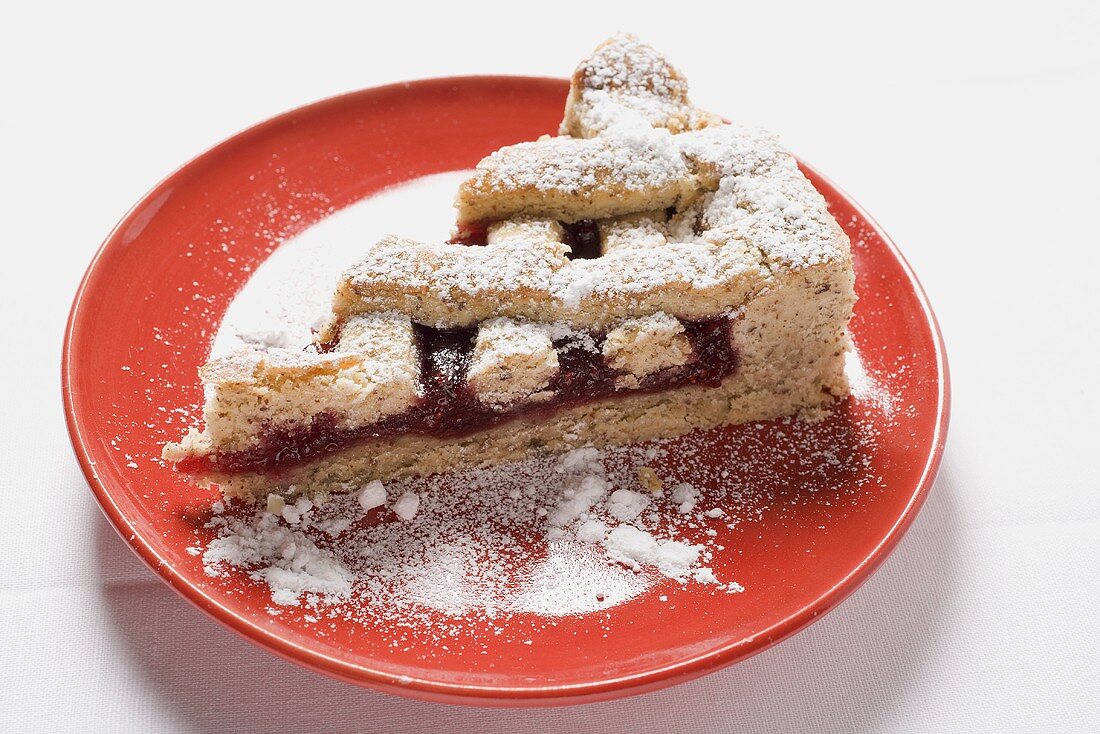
(372, 495)
(286, 559)
(625, 504)
(685, 496)
(407, 506)
(634, 547)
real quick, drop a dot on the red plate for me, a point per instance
(144, 316)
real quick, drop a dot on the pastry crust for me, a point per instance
(646, 345)
(512, 360)
(697, 220)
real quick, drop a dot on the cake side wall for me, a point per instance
(792, 340)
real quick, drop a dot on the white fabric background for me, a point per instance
(969, 132)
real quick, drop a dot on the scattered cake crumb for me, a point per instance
(649, 480)
(592, 531)
(275, 504)
(634, 547)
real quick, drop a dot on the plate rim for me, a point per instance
(467, 693)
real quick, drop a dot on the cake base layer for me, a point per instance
(608, 423)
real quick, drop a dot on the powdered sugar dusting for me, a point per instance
(290, 294)
(454, 544)
(560, 536)
(286, 559)
(628, 66)
(570, 165)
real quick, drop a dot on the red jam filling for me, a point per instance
(583, 237)
(450, 409)
(471, 233)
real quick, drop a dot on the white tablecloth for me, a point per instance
(970, 133)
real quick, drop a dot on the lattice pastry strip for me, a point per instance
(643, 230)
(636, 78)
(644, 346)
(512, 361)
(739, 208)
(570, 179)
(455, 285)
(515, 360)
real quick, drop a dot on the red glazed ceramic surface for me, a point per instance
(153, 297)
